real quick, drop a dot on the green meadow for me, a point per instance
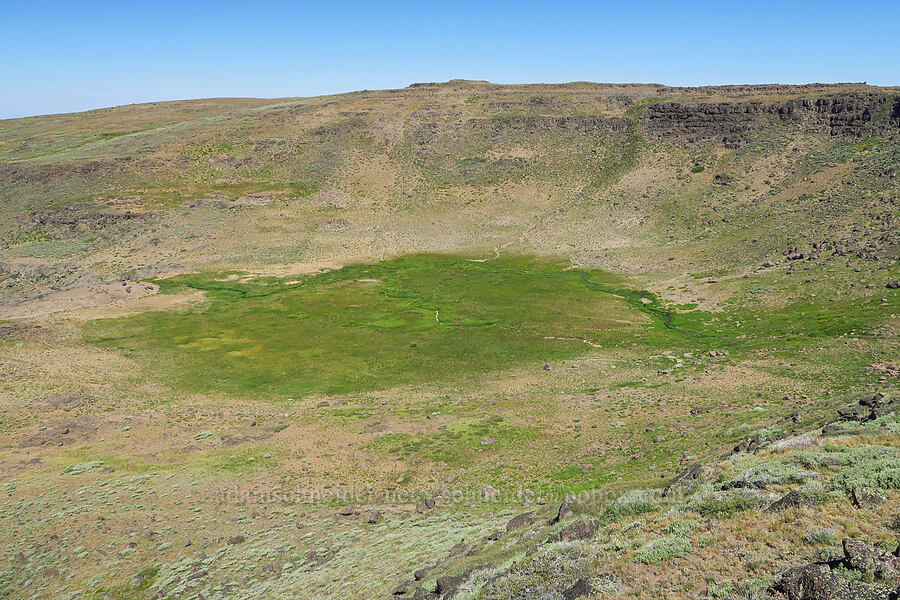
(413, 319)
(430, 317)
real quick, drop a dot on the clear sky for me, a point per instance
(70, 56)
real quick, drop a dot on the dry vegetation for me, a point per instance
(305, 348)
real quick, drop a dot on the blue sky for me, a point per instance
(70, 56)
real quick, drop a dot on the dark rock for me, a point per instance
(580, 588)
(749, 445)
(869, 560)
(404, 589)
(687, 479)
(581, 529)
(373, 516)
(873, 401)
(520, 521)
(564, 512)
(818, 582)
(893, 285)
(868, 497)
(420, 574)
(238, 539)
(854, 413)
(449, 584)
(789, 501)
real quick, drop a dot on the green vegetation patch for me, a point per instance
(663, 549)
(456, 443)
(413, 319)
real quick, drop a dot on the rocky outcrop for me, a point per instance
(849, 114)
(535, 124)
(827, 580)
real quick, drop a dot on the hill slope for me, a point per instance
(328, 347)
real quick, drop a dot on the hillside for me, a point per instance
(454, 341)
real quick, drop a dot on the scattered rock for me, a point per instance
(789, 501)
(687, 479)
(520, 521)
(404, 589)
(582, 529)
(448, 585)
(237, 539)
(870, 498)
(580, 588)
(820, 581)
(373, 516)
(564, 512)
(869, 560)
(489, 493)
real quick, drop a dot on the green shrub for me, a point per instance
(722, 506)
(883, 473)
(697, 169)
(621, 510)
(825, 537)
(680, 527)
(663, 549)
(720, 590)
(543, 575)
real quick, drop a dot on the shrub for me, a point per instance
(543, 575)
(621, 510)
(773, 473)
(680, 527)
(722, 506)
(663, 549)
(883, 473)
(825, 537)
(720, 590)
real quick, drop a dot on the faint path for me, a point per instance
(72, 299)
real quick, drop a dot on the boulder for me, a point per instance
(373, 516)
(489, 493)
(687, 479)
(520, 521)
(870, 498)
(820, 581)
(448, 585)
(580, 588)
(869, 560)
(789, 501)
(581, 529)
(404, 589)
(564, 512)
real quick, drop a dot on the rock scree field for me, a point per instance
(457, 340)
